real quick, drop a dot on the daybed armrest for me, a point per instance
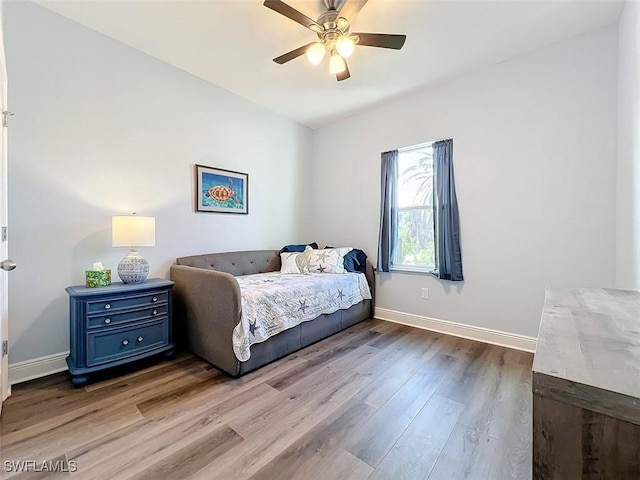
(208, 307)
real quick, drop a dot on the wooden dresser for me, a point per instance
(586, 385)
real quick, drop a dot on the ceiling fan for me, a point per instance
(332, 28)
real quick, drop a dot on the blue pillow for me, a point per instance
(355, 261)
(298, 248)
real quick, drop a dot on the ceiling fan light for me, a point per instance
(345, 46)
(336, 64)
(315, 53)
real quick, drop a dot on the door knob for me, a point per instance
(8, 265)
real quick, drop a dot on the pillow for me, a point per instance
(329, 260)
(289, 262)
(298, 248)
(355, 261)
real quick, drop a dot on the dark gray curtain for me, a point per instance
(388, 210)
(445, 214)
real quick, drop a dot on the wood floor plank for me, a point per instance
(407, 343)
(466, 456)
(494, 397)
(299, 397)
(22, 420)
(526, 359)
(415, 453)
(309, 367)
(382, 326)
(302, 460)
(180, 395)
(388, 336)
(460, 384)
(160, 435)
(193, 457)
(374, 438)
(63, 395)
(92, 405)
(397, 367)
(51, 444)
(513, 458)
(339, 464)
(264, 444)
(22, 393)
(331, 464)
(150, 366)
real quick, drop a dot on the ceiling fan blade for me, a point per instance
(351, 8)
(292, 54)
(290, 12)
(343, 75)
(382, 40)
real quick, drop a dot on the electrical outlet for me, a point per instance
(425, 294)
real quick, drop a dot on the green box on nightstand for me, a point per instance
(98, 279)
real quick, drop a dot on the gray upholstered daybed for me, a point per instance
(208, 307)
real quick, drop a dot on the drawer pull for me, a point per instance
(154, 312)
(107, 306)
(107, 320)
(125, 342)
(140, 338)
(154, 299)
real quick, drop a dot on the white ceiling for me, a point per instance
(231, 43)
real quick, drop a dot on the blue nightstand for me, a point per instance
(118, 324)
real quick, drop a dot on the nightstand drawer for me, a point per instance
(109, 345)
(110, 304)
(140, 315)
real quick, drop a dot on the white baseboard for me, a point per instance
(38, 367)
(481, 334)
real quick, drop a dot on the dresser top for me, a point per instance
(591, 337)
(119, 287)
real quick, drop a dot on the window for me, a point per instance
(415, 249)
(420, 226)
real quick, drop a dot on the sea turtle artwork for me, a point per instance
(222, 193)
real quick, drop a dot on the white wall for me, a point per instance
(102, 129)
(628, 200)
(535, 166)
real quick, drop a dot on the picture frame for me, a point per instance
(221, 191)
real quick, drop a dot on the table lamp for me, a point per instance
(133, 231)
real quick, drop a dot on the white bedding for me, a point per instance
(273, 302)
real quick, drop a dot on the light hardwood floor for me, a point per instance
(378, 401)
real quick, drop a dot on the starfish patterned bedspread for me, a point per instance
(273, 302)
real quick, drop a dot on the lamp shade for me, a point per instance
(133, 231)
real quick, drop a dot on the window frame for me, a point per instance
(400, 267)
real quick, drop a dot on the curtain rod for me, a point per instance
(425, 144)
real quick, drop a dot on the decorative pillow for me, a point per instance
(298, 248)
(355, 261)
(329, 260)
(290, 262)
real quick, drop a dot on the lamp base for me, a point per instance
(133, 268)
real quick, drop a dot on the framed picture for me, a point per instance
(221, 191)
